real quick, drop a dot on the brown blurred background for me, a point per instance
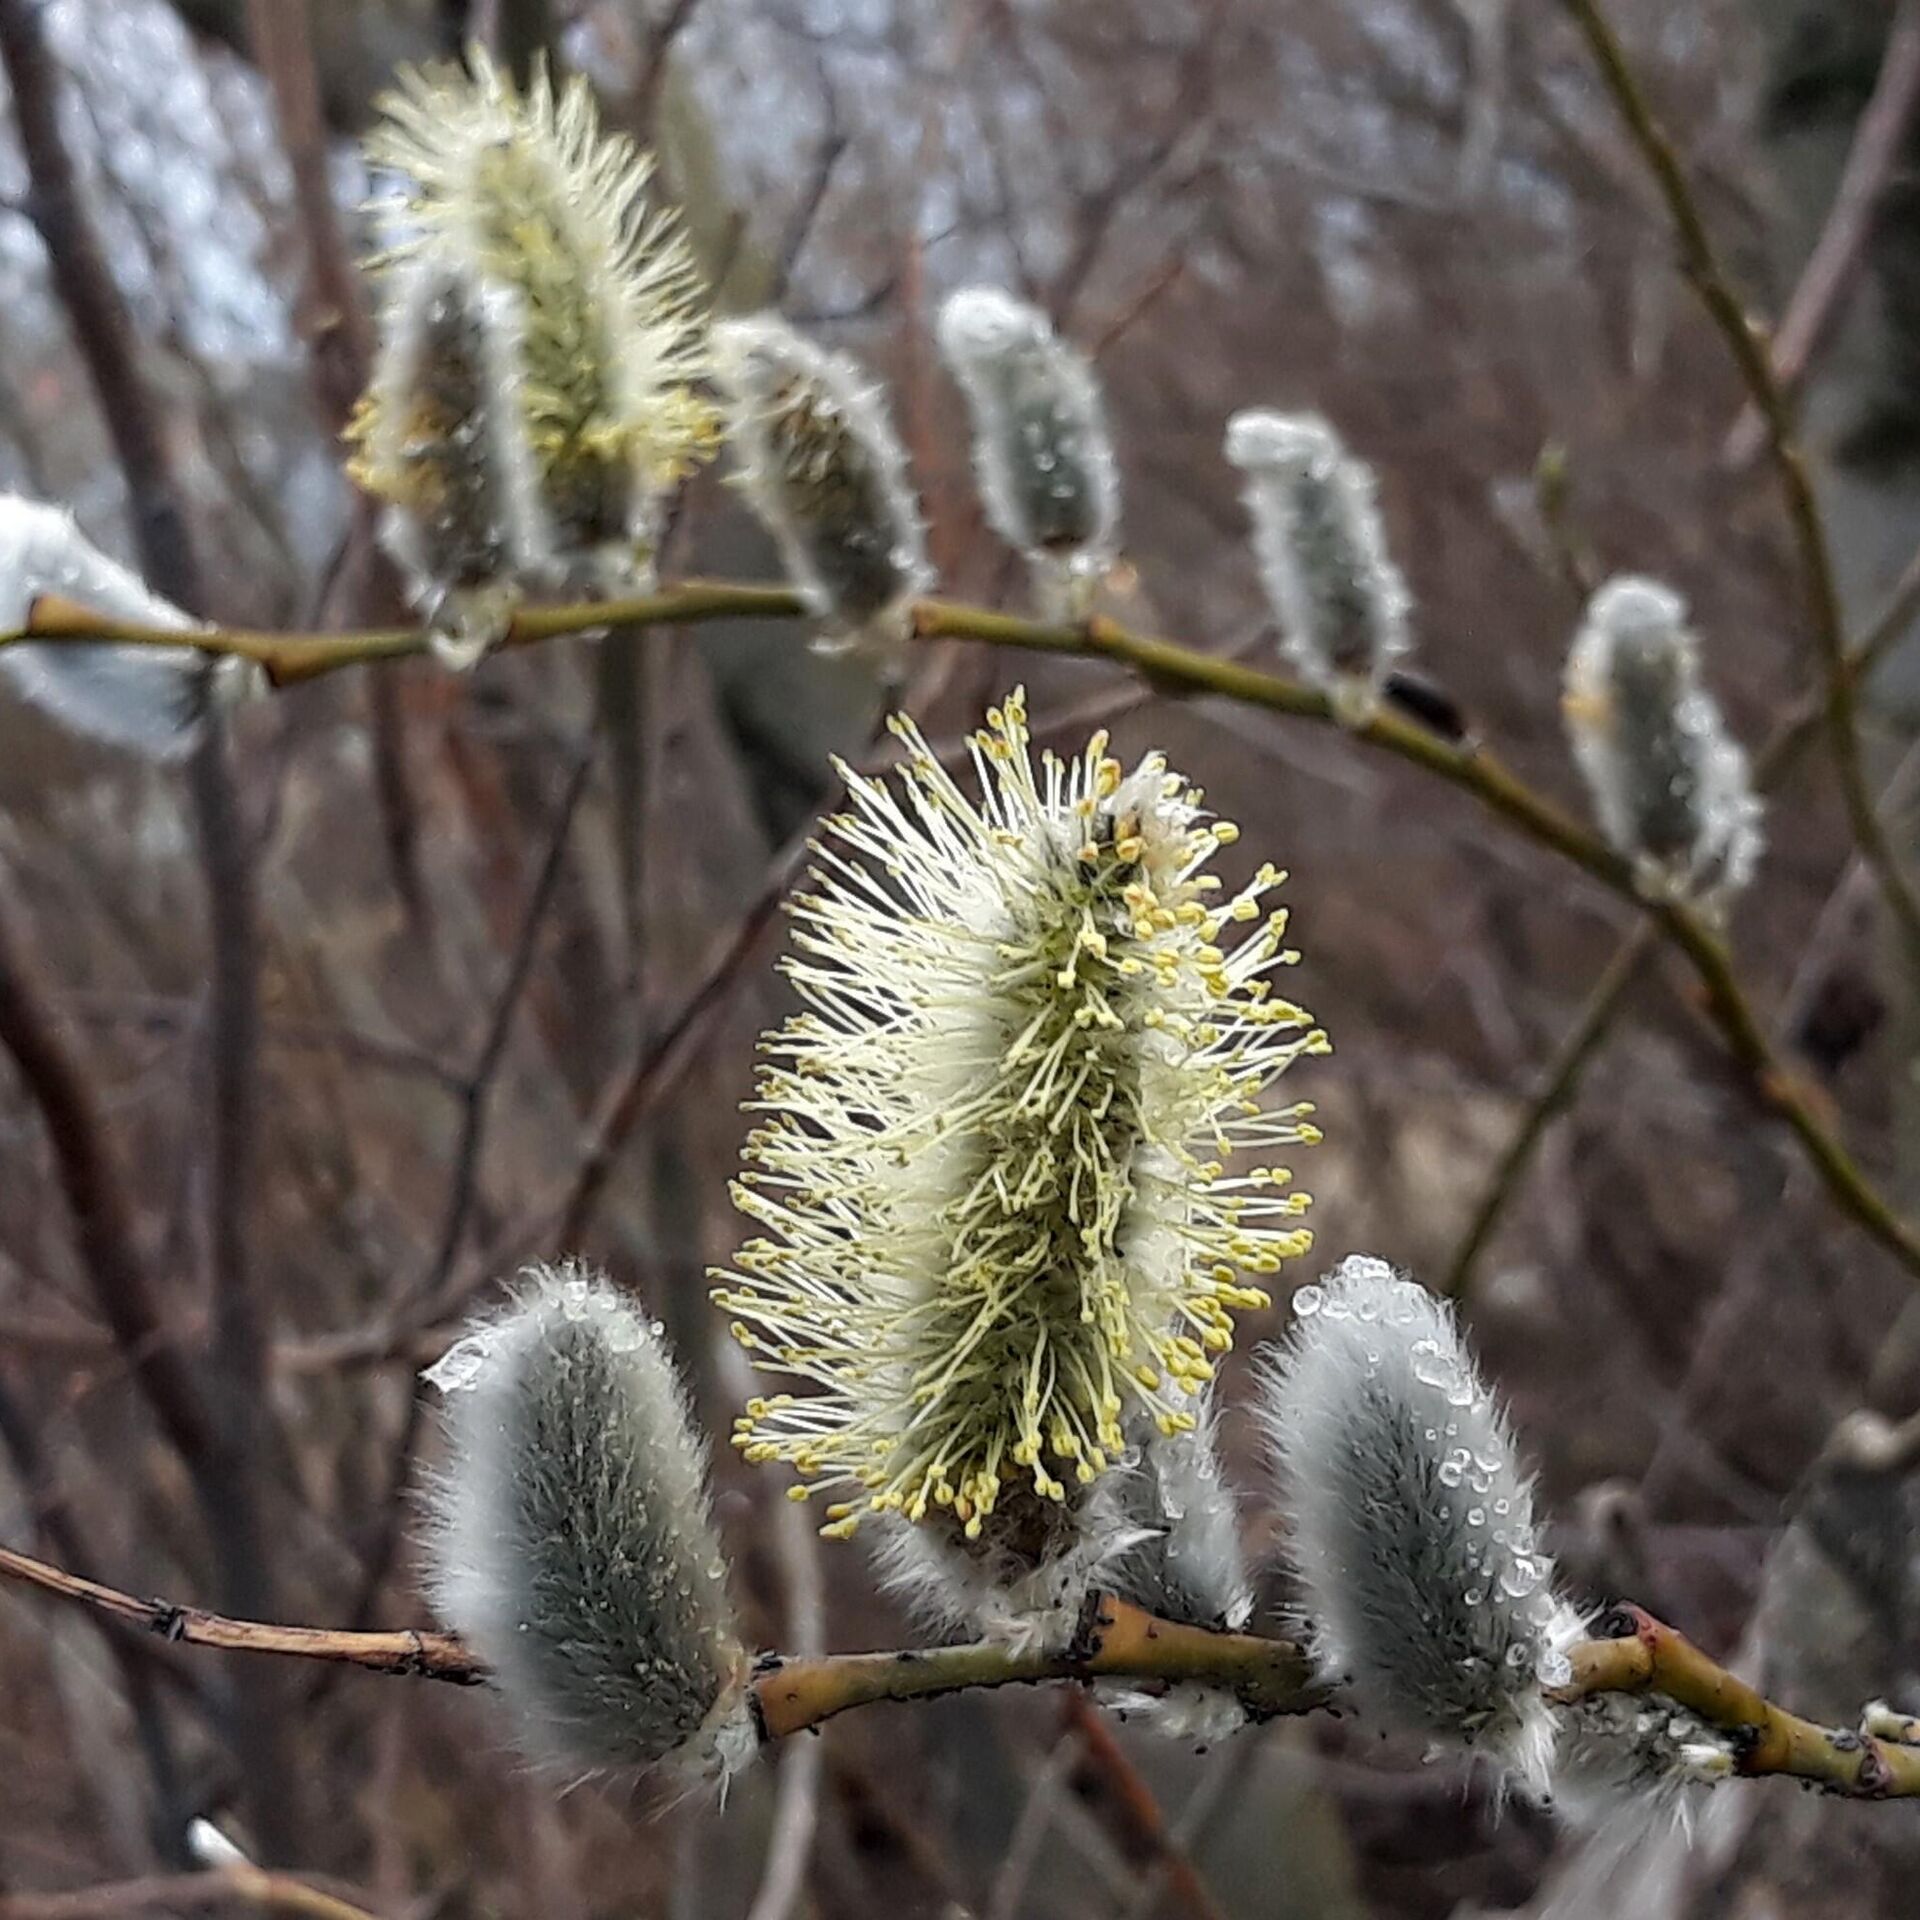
(1415, 215)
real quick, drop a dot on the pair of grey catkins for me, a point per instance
(572, 1545)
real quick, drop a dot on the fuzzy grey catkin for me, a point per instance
(822, 467)
(151, 702)
(1341, 602)
(570, 1541)
(441, 440)
(1412, 1522)
(1670, 786)
(1186, 1561)
(1161, 1531)
(1041, 449)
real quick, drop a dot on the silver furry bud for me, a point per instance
(1041, 449)
(148, 701)
(440, 439)
(1186, 1563)
(1670, 786)
(1340, 600)
(1412, 1522)
(570, 1541)
(821, 465)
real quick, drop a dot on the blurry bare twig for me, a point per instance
(1752, 353)
(1556, 1090)
(1146, 1823)
(240, 1883)
(1834, 266)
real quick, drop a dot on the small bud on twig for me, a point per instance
(571, 1544)
(1412, 1522)
(149, 701)
(821, 465)
(1341, 602)
(1670, 786)
(1041, 449)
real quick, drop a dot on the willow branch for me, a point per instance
(1172, 669)
(1633, 1653)
(1584, 1040)
(1639, 1654)
(1748, 343)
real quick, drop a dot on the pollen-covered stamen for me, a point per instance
(1341, 602)
(821, 465)
(991, 1167)
(533, 196)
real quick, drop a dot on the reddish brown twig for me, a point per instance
(1833, 268)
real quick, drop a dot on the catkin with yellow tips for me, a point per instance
(993, 1160)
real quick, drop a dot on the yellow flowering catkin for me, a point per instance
(525, 196)
(992, 1164)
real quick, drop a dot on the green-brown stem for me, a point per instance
(1116, 1641)
(1170, 667)
(1751, 349)
(1642, 1655)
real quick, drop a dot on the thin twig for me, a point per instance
(1833, 268)
(463, 1183)
(1578, 1046)
(240, 1881)
(1747, 342)
(422, 1653)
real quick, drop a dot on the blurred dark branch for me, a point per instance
(424, 1301)
(1833, 268)
(103, 1215)
(1752, 354)
(1147, 1827)
(227, 1467)
(339, 334)
(463, 1183)
(340, 348)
